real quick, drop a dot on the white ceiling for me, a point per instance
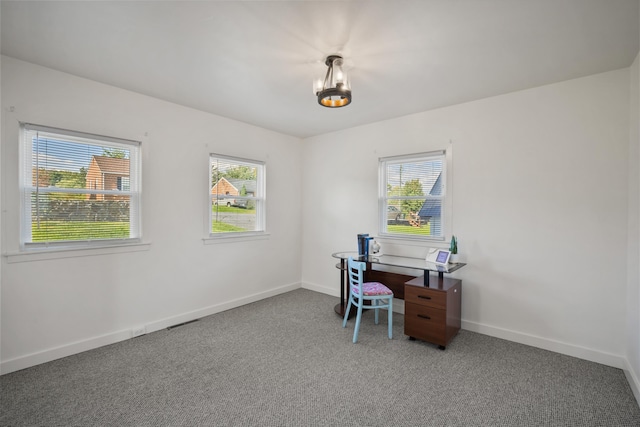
(255, 61)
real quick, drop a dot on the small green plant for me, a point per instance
(453, 247)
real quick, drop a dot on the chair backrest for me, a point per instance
(355, 272)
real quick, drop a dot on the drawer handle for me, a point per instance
(424, 297)
(422, 316)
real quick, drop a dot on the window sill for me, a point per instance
(48, 254)
(232, 238)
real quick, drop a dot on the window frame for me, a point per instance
(445, 197)
(259, 199)
(25, 187)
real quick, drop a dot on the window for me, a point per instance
(412, 195)
(123, 183)
(77, 189)
(237, 196)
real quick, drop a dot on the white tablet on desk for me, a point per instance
(438, 256)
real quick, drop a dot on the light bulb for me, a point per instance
(338, 72)
(317, 86)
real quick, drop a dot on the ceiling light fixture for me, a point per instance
(335, 90)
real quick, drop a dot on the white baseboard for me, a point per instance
(207, 311)
(398, 304)
(59, 352)
(634, 381)
(334, 291)
(48, 355)
(591, 355)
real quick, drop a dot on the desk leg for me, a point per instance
(340, 308)
(426, 278)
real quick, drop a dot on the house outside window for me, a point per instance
(412, 193)
(77, 189)
(237, 196)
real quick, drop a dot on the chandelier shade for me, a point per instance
(335, 90)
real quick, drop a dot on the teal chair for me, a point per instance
(378, 294)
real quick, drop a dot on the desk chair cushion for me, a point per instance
(372, 289)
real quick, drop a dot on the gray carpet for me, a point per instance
(286, 361)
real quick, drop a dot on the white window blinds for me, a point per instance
(78, 189)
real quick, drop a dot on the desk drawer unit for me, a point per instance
(432, 313)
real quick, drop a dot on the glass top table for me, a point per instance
(405, 262)
(392, 261)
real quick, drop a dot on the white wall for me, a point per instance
(51, 308)
(540, 208)
(633, 266)
(1, 210)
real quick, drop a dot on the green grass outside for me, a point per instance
(75, 230)
(78, 230)
(231, 209)
(425, 230)
(223, 227)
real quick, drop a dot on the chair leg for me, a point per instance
(375, 303)
(390, 321)
(346, 314)
(358, 317)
